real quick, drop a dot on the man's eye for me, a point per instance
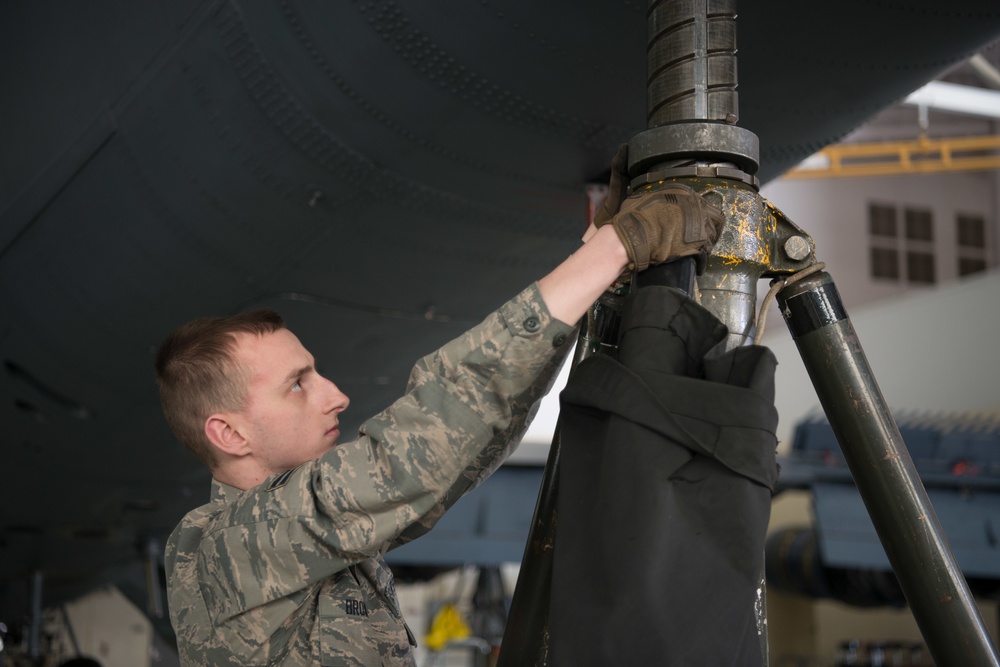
(297, 386)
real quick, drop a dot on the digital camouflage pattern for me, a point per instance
(291, 572)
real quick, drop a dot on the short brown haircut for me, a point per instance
(198, 374)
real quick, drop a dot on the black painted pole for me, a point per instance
(897, 502)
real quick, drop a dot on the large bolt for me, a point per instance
(797, 248)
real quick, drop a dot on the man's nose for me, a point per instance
(336, 400)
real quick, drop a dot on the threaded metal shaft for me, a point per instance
(691, 61)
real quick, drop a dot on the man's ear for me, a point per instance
(222, 431)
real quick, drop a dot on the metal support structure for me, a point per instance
(691, 111)
(691, 105)
(526, 637)
(897, 502)
(892, 158)
(691, 108)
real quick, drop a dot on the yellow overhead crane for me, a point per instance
(920, 156)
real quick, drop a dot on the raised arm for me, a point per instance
(573, 286)
(649, 229)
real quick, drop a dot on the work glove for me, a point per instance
(666, 224)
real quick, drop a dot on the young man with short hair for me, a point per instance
(284, 566)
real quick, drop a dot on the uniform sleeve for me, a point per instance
(466, 407)
(472, 401)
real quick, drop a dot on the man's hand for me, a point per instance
(650, 228)
(666, 224)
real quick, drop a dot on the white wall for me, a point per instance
(934, 350)
(835, 213)
(931, 348)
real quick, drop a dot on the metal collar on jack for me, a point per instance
(701, 140)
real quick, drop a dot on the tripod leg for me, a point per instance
(885, 475)
(526, 636)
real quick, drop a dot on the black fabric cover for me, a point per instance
(665, 480)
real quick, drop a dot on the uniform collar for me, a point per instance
(223, 493)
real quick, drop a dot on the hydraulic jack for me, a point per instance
(692, 138)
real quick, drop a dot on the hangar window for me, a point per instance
(884, 241)
(971, 238)
(883, 220)
(919, 246)
(920, 267)
(919, 225)
(901, 252)
(885, 263)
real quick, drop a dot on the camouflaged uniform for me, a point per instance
(291, 572)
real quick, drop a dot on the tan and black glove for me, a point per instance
(666, 224)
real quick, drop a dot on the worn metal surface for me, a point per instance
(691, 138)
(691, 61)
(526, 635)
(704, 142)
(885, 475)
